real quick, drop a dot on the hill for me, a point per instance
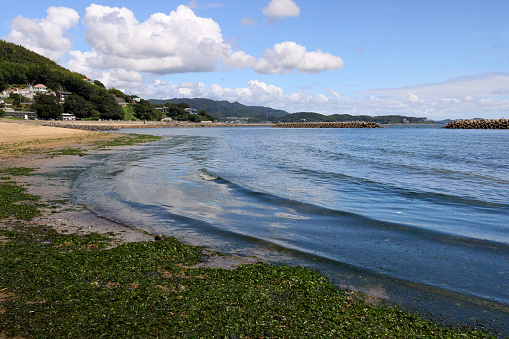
(222, 110)
(20, 67)
(316, 117)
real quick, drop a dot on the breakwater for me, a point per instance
(84, 127)
(116, 125)
(338, 124)
(479, 124)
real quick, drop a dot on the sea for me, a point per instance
(417, 216)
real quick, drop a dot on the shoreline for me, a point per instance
(46, 183)
(52, 181)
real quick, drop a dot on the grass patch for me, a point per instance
(17, 171)
(129, 113)
(14, 201)
(128, 140)
(65, 151)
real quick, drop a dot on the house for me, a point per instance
(68, 116)
(40, 88)
(90, 81)
(61, 95)
(21, 114)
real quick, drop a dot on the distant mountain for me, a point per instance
(316, 117)
(222, 110)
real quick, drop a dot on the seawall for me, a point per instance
(479, 124)
(339, 124)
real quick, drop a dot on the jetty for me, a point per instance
(337, 124)
(479, 124)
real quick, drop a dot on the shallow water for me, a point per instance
(416, 215)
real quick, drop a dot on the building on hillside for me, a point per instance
(62, 94)
(90, 81)
(162, 110)
(21, 114)
(120, 101)
(40, 88)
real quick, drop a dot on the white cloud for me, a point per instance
(239, 60)
(45, 36)
(288, 56)
(260, 93)
(280, 9)
(174, 43)
(246, 21)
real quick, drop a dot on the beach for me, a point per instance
(27, 144)
(31, 145)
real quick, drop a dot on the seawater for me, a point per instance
(417, 216)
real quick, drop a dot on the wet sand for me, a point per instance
(26, 144)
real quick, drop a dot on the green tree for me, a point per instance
(144, 110)
(106, 104)
(174, 110)
(17, 99)
(98, 83)
(204, 116)
(47, 106)
(76, 105)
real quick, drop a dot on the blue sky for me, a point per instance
(435, 59)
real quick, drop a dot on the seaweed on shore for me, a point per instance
(75, 285)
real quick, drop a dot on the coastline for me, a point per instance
(52, 181)
(35, 142)
(30, 144)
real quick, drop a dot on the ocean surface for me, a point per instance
(416, 216)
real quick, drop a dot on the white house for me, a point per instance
(40, 88)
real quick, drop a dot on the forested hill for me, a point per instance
(20, 67)
(316, 117)
(221, 110)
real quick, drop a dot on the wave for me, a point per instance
(205, 175)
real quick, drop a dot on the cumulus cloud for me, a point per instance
(284, 58)
(260, 93)
(288, 56)
(239, 60)
(175, 43)
(280, 9)
(45, 36)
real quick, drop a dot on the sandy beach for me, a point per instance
(26, 144)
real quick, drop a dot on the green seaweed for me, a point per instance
(68, 285)
(75, 285)
(128, 140)
(14, 201)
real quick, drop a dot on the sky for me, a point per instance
(436, 59)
